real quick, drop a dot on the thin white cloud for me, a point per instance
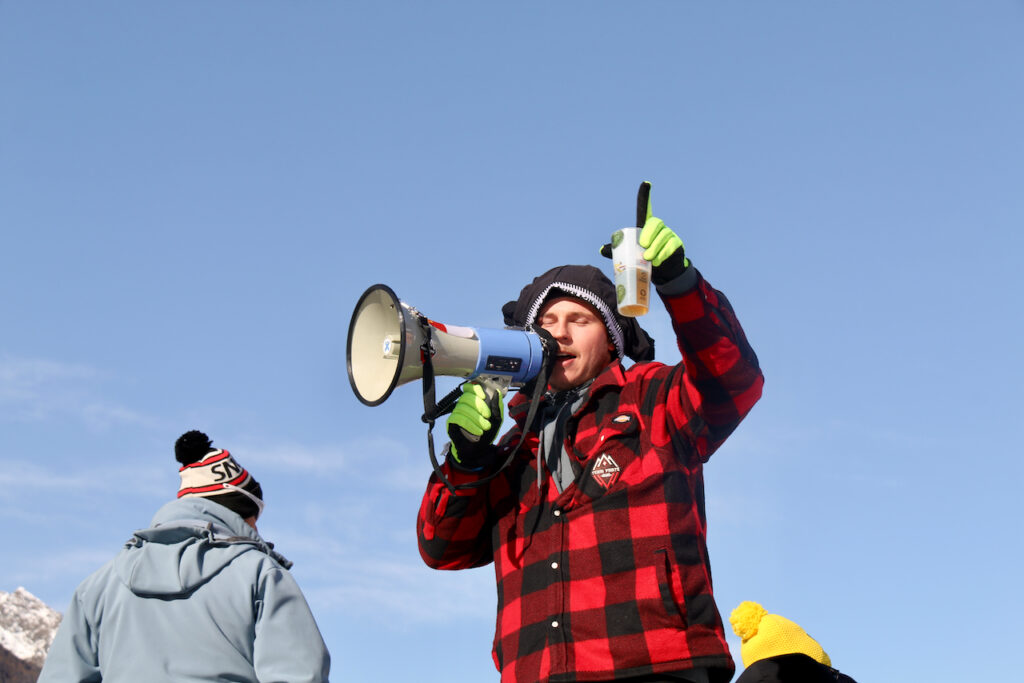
(28, 372)
(27, 385)
(37, 389)
(399, 592)
(28, 475)
(71, 565)
(352, 559)
(358, 459)
(294, 457)
(23, 476)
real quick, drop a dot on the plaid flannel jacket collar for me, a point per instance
(614, 375)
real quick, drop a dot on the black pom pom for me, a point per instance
(191, 447)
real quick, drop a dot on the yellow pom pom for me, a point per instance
(746, 618)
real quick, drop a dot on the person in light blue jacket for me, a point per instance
(198, 596)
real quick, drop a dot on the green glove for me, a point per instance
(663, 248)
(659, 242)
(473, 425)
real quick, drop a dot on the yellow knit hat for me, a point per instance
(768, 635)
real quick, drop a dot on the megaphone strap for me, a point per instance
(432, 410)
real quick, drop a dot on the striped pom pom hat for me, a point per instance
(213, 473)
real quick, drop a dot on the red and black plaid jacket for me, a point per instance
(610, 578)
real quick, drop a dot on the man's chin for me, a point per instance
(559, 382)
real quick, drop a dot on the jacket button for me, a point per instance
(554, 624)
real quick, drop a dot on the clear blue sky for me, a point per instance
(193, 195)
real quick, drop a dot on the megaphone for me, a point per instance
(388, 343)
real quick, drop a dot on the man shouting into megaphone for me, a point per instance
(596, 528)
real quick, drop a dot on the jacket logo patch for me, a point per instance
(622, 418)
(606, 471)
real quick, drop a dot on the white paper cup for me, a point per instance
(632, 273)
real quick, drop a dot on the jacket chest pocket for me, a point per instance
(613, 448)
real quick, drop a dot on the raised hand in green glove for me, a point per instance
(473, 425)
(662, 247)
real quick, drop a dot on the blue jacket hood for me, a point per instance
(189, 541)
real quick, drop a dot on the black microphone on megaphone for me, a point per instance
(390, 343)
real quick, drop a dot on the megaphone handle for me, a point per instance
(494, 384)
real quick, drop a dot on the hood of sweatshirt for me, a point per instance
(189, 541)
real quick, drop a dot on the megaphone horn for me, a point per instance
(385, 337)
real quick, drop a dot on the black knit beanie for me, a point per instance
(588, 284)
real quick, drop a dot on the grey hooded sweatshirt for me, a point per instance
(199, 596)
